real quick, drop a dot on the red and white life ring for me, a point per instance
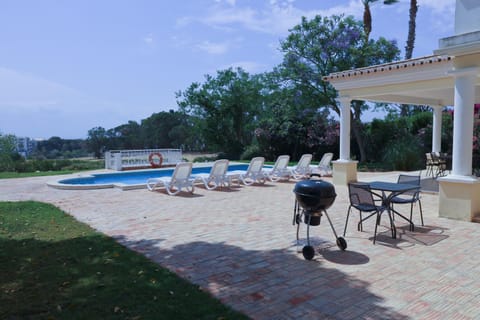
(155, 159)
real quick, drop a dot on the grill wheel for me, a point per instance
(308, 252)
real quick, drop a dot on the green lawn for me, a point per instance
(9, 175)
(54, 267)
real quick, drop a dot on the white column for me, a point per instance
(463, 122)
(437, 129)
(118, 161)
(345, 128)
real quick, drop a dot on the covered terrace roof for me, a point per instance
(423, 81)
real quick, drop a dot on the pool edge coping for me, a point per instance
(124, 187)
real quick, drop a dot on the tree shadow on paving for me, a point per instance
(272, 284)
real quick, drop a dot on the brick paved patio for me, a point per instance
(240, 246)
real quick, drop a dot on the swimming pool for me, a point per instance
(125, 180)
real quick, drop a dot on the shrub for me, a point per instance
(204, 159)
(24, 166)
(251, 151)
(405, 154)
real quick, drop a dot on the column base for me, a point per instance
(344, 172)
(459, 198)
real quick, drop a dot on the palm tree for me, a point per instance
(406, 109)
(367, 15)
(367, 21)
(411, 29)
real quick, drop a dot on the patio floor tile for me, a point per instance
(240, 246)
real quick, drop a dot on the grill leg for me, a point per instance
(298, 230)
(308, 229)
(331, 224)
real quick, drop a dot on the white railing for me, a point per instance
(129, 159)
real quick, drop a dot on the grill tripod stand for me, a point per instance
(313, 219)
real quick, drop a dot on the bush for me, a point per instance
(223, 155)
(251, 151)
(22, 165)
(404, 155)
(42, 165)
(205, 159)
(77, 165)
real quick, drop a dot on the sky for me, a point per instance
(69, 66)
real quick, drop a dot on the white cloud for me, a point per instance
(277, 17)
(249, 66)
(439, 6)
(441, 14)
(230, 2)
(183, 21)
(273, 18)
(213, 48)
(148, 39)
(223, 16)
(354, 8)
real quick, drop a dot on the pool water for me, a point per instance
(128, 179)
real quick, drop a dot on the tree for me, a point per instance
(367, 15)
(291, 121)
(8, 152)
(406, 109)
(125, 136)
(411, 29)
(56, 147)
(411, 23)
(226, 108)
(323, 45)
(96, 141)
(170, 129)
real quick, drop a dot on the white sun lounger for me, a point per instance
(302, 169)
(217, 176)
(181, 178)
(280, 169)
(323, 168)
(254, 173)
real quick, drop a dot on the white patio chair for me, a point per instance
(254, 173)
(279, 170)
(302, 169)
(323, 168)
(217, 176)
(181, 178)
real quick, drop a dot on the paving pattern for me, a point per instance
(240, 246)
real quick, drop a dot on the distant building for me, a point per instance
(25, 146)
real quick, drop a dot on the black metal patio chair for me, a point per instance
(409, 197)
(361, 198)
(430, 164)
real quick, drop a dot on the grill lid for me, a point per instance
(314, 195)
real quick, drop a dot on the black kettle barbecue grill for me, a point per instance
(313, 198)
